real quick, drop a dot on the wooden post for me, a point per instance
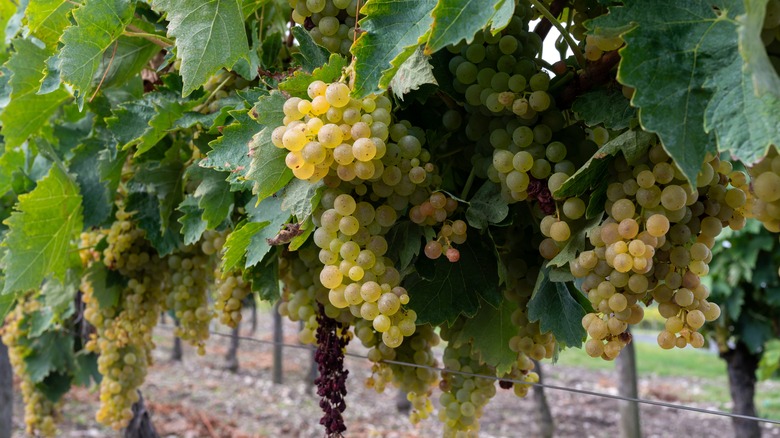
(630, 426)
(141, 425)
(543, 414)
(176, 352)
(231, 358)
(278, 373)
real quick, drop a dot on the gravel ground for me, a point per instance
(199, 398)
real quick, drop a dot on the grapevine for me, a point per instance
(400, 177)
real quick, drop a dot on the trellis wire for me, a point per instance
(520, 382)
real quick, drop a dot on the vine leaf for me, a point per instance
(230, 152)
(209, 35)
(145, 121)
(298, 83)
(268, 171)
(490, 331)
(50, 352)
(605, 106)
(764, 76)
(576, 242)
(265, 280)
(671, 51)
(237, 243)
(311, 55)
(41, 233)
(46, 19)
(191, 220)
(27, 111)
(301, 197)
(632, 143)
(452, 289)
(98, 200)
(744, 123)
(99, 23)
(213, 193)
(392, 30)
(487, 206)
(270, 210)
(556, 310)
(415, 72)
(456, 20)
(118, 66)
(164, 181)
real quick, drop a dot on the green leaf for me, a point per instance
(145, 121)
(605, 106)
(162, 179)
(213, 193)
(456, 288)
(122, 63)
(298, 83)
(99, 23)
(107, 285)
(97, 198)
(149, 218)
(301, 197)
(456, 20)
(237, 243)
(487, 206)
(46, 19)
(230, 151)
(40, 321)
(404, 243)
(41, 233)
(11, 161)
(209, 35)
(576, 243)
(50, 352)
(745, 123)
(55, 385)
(7, 302)
(633, 144)
(58, 296)
(489, 332)
(268, 171)
(392, 30)
(413, 73)
(556, 310)
(86, 370)
(270, 211)
(27, 111)
(671, 52)
(265, 280)
(311, 56)
(751, 46)
(191, 220)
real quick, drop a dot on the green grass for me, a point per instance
(652, 360)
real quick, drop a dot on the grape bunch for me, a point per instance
(187, 282)
(656, 245)
(123, 328)
(331, 23)
(464, 396)
(231, 290)
(416, 382)
(303, 293)
(40, 413)
(766, 191)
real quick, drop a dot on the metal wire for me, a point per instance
(520, 382)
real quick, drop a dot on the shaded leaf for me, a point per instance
(490, 331)
(230, 152)
(487, 206)
(191, 220)
(41, 233)
(269, 210)
(556, 310)
(605, 106)
(311, 56)
(268, 171)
(456, 20)
(456, 288)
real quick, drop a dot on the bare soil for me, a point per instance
(199, 398)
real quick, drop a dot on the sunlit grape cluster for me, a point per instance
(331, 23)
(40, 413)
(656, 245)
